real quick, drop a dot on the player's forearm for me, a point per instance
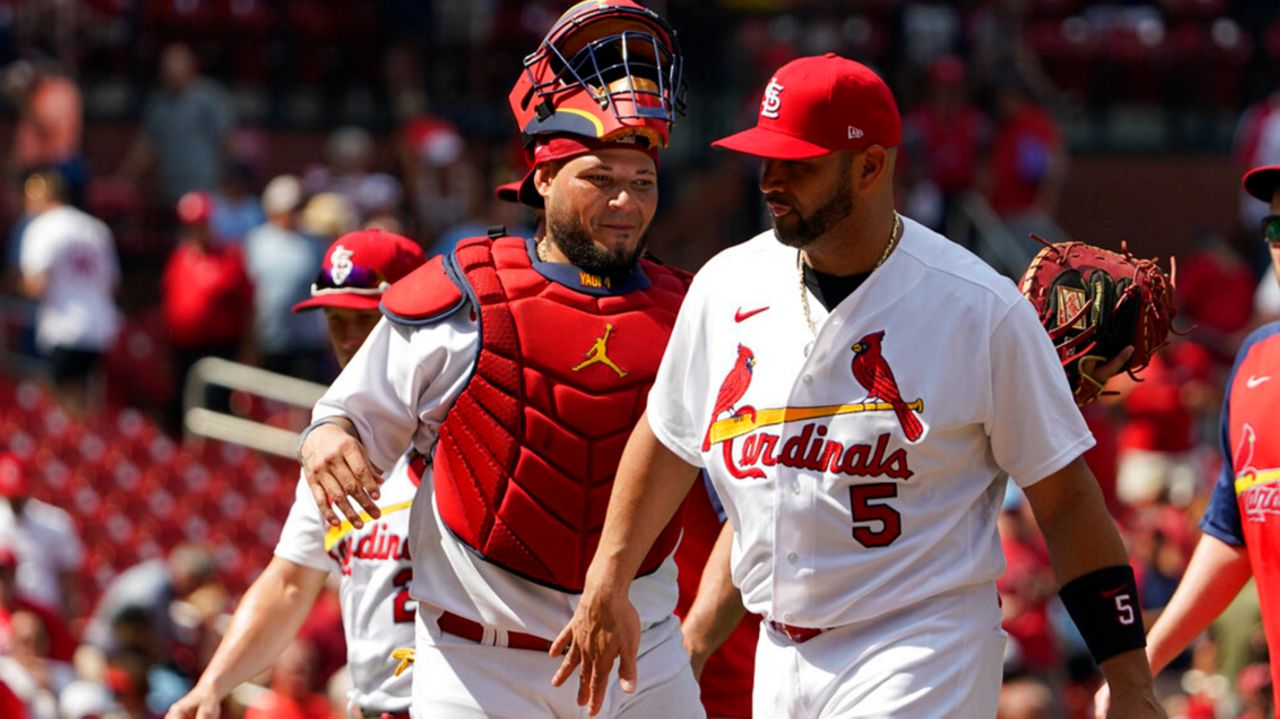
(717, 608)
(651, 483)
(1213, 578)
(268, 617)
(1073, 517)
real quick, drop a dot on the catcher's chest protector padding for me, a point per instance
(526, 457)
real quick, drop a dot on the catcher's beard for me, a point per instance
(575, 242)
(803, 230)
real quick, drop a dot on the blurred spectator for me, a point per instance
(328, 216)
(1027, 166)
(49, 126)
(1026, 587)
(1215, 291)
(11, 706)
(1025, 698)
(43, 538)
(143, 597)
(207, 295)
(281, 263)
(1254, 688)
(1257, 143)
(185, 129)
(87, 700)
(945, 140)
(27, 669)
(236, 209)
(292, 694)
(69, 266)
(61, 646)
(351, 174)
(441, 182)
(1158, 461)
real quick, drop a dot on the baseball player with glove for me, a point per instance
(520, 366)
(1241, 525)
(371, 562)
(859, 389)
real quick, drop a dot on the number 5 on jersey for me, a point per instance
(878, 524)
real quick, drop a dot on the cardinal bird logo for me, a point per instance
(873, 373)
(731, 390)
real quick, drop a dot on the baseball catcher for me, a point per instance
(1105, 311)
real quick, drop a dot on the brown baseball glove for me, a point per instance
(1095, 304)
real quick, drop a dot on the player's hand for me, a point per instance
(1100, 374)
(605, 626)
(199, 703)
(1102, 701)
(337, 471)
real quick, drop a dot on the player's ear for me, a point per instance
(873, 164)
(544, 175)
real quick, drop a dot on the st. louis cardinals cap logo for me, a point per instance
(340, 262)
(772, 101)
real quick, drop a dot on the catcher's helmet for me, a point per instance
(607, 68)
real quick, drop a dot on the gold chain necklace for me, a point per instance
(541, 249)
(895, 235)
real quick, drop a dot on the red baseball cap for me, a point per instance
(359, 267)
(13, 476)
(1261, 182)
(817, 105)
(563, 147)
(194, 208)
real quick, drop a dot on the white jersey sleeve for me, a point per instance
(398, 387)
(681, 382)
(1034, 424)
(302, 537)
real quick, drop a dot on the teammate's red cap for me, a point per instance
(563, 147)
(194, 208)
(359, 267)
(13, 476)
(508, 191)
(817, 105)
(1261, 182)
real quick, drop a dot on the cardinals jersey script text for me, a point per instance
(865, 477)
(375, 570)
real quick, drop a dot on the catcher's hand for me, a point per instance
(1098, 306)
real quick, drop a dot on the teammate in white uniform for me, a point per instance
(877, 384)
(372, 563)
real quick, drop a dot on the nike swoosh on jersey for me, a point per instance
(740, 315)
(1111, 593)
(1251, 382)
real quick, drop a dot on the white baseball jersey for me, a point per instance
(867, 476)
(78, 254)
(374, 569)
(397, 390)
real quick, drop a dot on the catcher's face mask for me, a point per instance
(607, 67)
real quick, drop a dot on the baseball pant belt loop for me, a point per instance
(451, 623)
(799, 635)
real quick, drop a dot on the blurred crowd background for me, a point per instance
(214, 148)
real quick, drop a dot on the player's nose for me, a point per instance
(771, 177)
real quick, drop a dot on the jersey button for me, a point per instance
(792, 558)
(788, 617)
(795, 487)
(807, 379)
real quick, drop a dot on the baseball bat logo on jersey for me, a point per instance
(810, 448)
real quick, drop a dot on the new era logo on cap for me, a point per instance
(831, 104)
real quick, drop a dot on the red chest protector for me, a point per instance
(526, 456)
